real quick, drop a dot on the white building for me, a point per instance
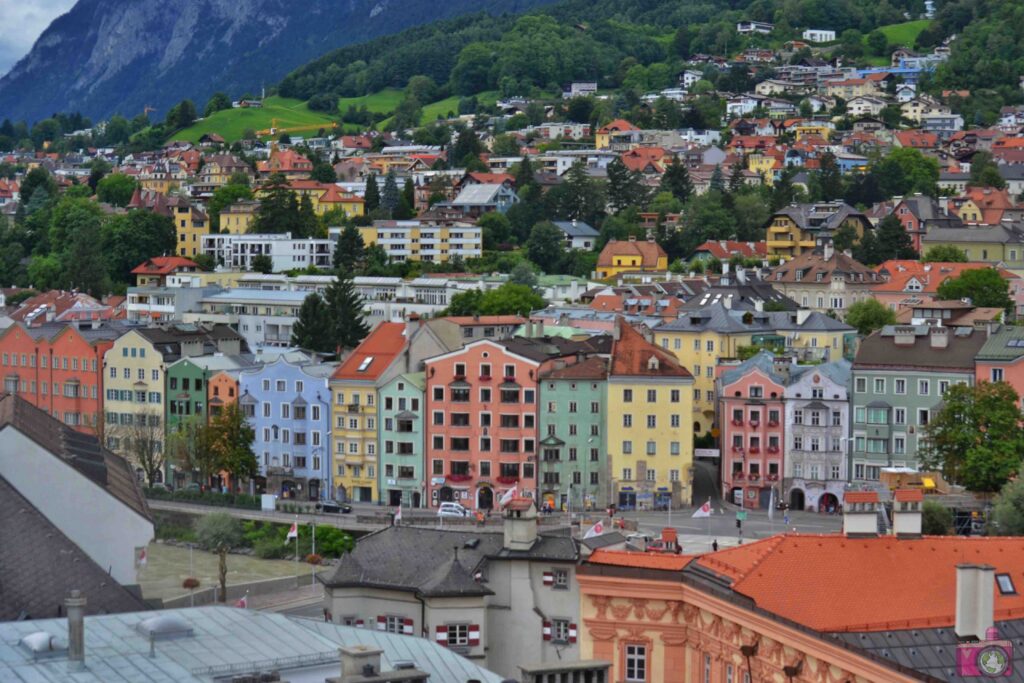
(286, 253)
(815, 35)
(264, 318)
(762, 27)
(580, 89)
(689, 77)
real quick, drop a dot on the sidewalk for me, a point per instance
(275, 602)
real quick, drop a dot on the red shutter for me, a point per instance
(474, 635)
(547, 630)
(572, 633)
(382, 623)
(407, 627)
(441, 635)
(549, 578)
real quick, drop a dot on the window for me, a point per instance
(899, 445)
(923, 388)
(627, 420)
(861, 385)
(560, 630)
(923, 416)
(652, 448)
(798, 417)
(458, 634)
(1005, 583)
(561, 577)
(943, 386)
(652, 395)
(627, 447)
(674, 396)
(879, 385)
(627, 474)
(900, 386)
(899, 416)
(636, 662)
(997, 374)
(652, 421)
(675, 421)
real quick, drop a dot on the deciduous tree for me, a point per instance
(869, 315)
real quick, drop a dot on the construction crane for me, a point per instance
(147, 109)
(274, 130)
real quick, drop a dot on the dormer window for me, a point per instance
(653, 363)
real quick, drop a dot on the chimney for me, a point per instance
(828, 250)
(359, 661)
(540, 328)
(906, 513)
(75, 606)
(802, 315)
(520, 524)
(860, 514)
(938, 337)
(741, 275)
(975, 595)
(904, 335)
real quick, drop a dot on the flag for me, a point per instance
(398, 514)
(142, 557)
(771, 505)
(595, 530)
(243, 602)
(703, 511)
(293, 532)
(507, 497)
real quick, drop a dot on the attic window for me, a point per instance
(653, 364)
(365, 364)
(1005, 583)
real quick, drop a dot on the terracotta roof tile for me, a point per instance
(626, 558)
(374, 354)
(632, 356)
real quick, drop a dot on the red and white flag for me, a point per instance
(143, 558)
(595, 530)
(243, 602)
(293, 532)
(703, 511)
(507, 497)
(398, 514)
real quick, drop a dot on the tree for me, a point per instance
(509, 299)
(1008, 511)
(390, 197)
(116, 189)
(76, 233)
(936, 519)
(985, 287)
(372, 194)
(546, 246)
(230, 440)
(350, 250)
(496, 230)
(892, 241)
(976, 437)
(579, 197)
(985, 171)
(878, 44)
(312, 330)
(345, 311)
(676, 180)
(37, 178)
(717, 182)
(278, 211)
(219, 532)
(869, 315)
(579, 109)
(130, 239)
(217, 102)
(625, 187)
(181, 115)
(223, 197)
(306, 224)
(751, 214)
(524, 174)
(828, 180)
(188, 447)
(262, 263)
(140, 443)
(523, 274)
(844, 238)
(945, 253)
(904, 171)
(99, 168)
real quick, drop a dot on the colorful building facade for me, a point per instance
(401, 442)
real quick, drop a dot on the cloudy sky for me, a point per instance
(21, 22)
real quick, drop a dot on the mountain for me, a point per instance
(118, 56)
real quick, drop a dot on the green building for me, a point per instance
(900, 375)
(573, 443)
(186, 393)
(400, 435)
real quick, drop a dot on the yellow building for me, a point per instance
(795, 229)
(415, 240)
(700, 339)
(805, 129)
(632, 256)
(354, 411)
(602, 139)
(190, 223)
(850, 88)
(650, 436)
(237, 218)
(218, 169)
(763, 165)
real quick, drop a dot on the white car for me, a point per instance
(452, 510)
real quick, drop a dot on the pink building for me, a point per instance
(482, 423)
(1001, 359)
(752, 411)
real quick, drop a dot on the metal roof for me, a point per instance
(226, 641)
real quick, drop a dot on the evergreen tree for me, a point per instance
(579, 197)
(546, 246)
(262, 263)
(390, 197)
(278, 210)
(676, 180)
(467, 147)
(307, 224)
(829, 179)
(893, 241)
(313, 330)
(524, 174)
(372, 195)
(737, 181)
(345, 313)
(717, 180)
(625, 187)
(350, 250)
(409, 194)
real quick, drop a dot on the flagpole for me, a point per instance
(312, 567)
(296, 541)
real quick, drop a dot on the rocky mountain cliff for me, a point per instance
(118, 56)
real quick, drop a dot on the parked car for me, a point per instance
(452, 510)
(334, 508)
(192, 486)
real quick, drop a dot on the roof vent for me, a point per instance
(165, 627)
(471, 543)
(42, 644)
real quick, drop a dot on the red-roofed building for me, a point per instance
(354, 385)
(985, 206)
(917, 139)
(292, 164)
(631, 256)
(793, 607)
(603, 139)
(153, 272)
(723, 250)
(912, 283)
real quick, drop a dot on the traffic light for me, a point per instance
(739, 524)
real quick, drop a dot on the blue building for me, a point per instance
(289, 406)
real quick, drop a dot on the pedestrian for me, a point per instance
(714, 545)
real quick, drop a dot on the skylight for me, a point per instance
(1005, 583)
(365, 364)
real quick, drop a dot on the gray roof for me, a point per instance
(39, 565)
(744, 296)
(762, 360)
(718, 318)
(931, 651)
(481, 194)
(825, 216)
(168, 340)
(381, 559)
(999, 234)
(880, 349)
(576, 229)
(1006, 344)
(604, 540)
(225, 642)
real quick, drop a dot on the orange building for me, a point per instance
(800, 608)
(221, 391)
(59, 367)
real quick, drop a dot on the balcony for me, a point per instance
(754, 424)
(738, 476)
(507, 480)
(737, 423)
(772, 477)
(276, 471)
(457, 478)
(737, 449)
(754, 450)
(754, 476)
(773, 449)
(773, 423)
(353, 407)
(485, 378)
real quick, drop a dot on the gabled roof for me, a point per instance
(576, 228)
(929, 276)
(810, 264)
(881, 350)
(374, 355)
(723, 250)
(634, 356)
(616, 126)
(164, 265)
(649, 252)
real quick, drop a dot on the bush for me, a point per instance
(936, 520)
(271, 549)
(214, 498)
(219, 530)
